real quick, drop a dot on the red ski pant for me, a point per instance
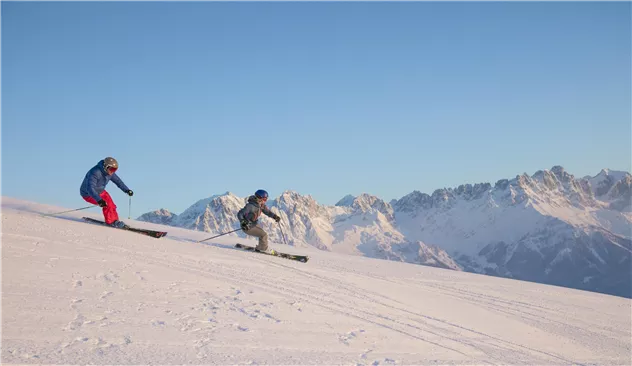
(109, 211)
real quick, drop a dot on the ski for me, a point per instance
(152, 233)
(299, 258)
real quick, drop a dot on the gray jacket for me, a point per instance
(253, 210)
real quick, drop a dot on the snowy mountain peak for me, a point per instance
(292, 201)
(211, 213)
(366, 202)
(501, 184)
(346, 201)
(473, 192)
(413, 201)
(602, 183)
(615, 174)
(161, 216)
(162, 212)
(620, 195)
(444, 197)
(559, 171)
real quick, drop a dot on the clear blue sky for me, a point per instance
(327, 99)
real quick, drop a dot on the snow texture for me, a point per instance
(79, 293)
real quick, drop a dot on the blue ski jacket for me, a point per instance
(95, 181)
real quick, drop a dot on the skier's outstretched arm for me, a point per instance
(271, 214)
(115, 178)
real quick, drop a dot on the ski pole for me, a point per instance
(59, 213)
(217, 236)
(129, 215)
(285, 241)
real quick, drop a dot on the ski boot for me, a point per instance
(119, 225)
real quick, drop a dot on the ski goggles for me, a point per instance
(111, 169)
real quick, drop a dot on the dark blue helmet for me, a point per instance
(261, 194)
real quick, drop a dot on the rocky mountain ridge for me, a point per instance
(549, 227)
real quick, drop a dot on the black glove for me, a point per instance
(277, 218)
(245, 225)
(130, 193)
(102, 203)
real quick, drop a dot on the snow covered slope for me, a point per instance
(77, 293)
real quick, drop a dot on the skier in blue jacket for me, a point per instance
(93, 189)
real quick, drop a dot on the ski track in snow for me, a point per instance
(75, 293)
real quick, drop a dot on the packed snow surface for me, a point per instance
(79, 293)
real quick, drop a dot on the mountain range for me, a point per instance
(550, 227)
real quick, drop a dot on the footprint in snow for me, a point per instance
(104, 321)
(241, 328)
(387, 361)
(297, 305)
(99, 342)
(107, 277)
(345, 338)
(75, 302)
(76, 323)
(272, 318)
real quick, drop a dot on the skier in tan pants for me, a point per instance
(249, 216)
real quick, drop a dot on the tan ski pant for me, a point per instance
(262, 235)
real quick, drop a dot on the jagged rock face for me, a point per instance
(366, 202)
(550, 227)
(413, 202)
(304, 220)
(619, 195)
(445, 197)
(215, 214)
(603, 182)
